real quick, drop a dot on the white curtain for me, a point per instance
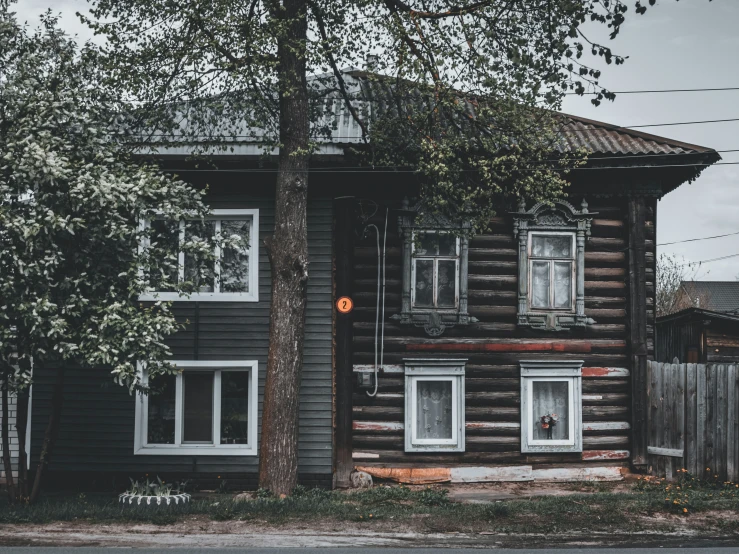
(434, 409)
(549, 398)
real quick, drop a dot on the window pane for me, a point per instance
(427, 244)
(562, 285)
(551, 247)
(164, 246)
(160, 420)
(540, 285)
(446, 283)
(424, 295)
(550, 410)
(197, 270)
(434, 409)
(234, 407)
(235, 260)
(447, 244)
(197, 407)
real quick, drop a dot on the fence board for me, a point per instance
(731, 428)
(693, 420)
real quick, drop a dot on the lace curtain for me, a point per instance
(434, 409)
(548, 398)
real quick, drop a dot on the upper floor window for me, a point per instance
(551, 265)
(435, 271)
(231, 276)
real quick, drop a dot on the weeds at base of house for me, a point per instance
(423, 508)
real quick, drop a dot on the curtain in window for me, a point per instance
(434, 409)
(550, 398)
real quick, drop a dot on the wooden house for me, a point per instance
(706, 330)
(459, 350)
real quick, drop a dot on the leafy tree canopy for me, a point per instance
(71, 201)
(461, 92)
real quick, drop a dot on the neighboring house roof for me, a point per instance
(698, 313)
(717, 296)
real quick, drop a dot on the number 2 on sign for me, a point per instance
(344, 305)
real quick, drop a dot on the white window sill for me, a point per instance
(199, 297)
(191, 450)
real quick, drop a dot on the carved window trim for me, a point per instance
(560, 217)
(433, 320)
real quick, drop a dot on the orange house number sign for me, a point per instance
(344, 305)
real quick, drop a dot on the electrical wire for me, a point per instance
(658, 91)
(697, 239)
(377, 304)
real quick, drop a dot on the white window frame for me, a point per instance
(572, 260)
(449, 370)
(141, 445)
(551, 371)
(435, 260)
(216, 296)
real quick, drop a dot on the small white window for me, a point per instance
(551, 271)
(233, 277)
(434, 405)
(435, 271)
(551, 406)
(210, 408)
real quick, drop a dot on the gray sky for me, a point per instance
(687, 44)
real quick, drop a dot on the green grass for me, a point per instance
(425, 509)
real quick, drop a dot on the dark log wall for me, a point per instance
(495, 345)
(722, 344)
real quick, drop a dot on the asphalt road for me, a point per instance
(391, 550)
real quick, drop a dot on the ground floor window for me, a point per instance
(208, 408)
(551, 406)
(434, 405)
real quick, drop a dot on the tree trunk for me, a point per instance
(7, 465)
(288, 254)
(57, 400)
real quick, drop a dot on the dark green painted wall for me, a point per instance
(97, 425)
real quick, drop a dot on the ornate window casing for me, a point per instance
(551, 265)
(434, 273)
(551, 406)
(434, 405)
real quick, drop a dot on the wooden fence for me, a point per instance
(693, 420)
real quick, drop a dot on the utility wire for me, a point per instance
(711, 260)
(679, 123)
(659, 91)
(697, 239)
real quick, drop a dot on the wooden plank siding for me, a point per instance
(97, 426)
(495, 345)
(13, 436)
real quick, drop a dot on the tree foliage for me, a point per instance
(459, 92)
(72, 199)
(671, 296)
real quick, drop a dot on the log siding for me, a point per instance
(495, 345)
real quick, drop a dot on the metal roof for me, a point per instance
(717, 296)
(604, 138)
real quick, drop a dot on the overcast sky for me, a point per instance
(676, 45)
